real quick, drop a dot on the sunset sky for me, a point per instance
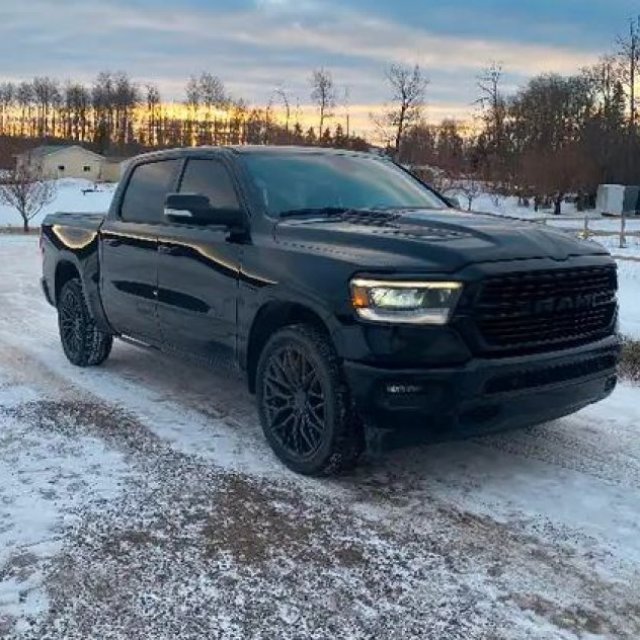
(257, 45)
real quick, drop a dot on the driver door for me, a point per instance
(198, 269)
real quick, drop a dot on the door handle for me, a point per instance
(112, 242)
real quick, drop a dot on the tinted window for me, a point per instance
(147, 189)
(210, 178)
(293, 181)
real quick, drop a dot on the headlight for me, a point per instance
(414, 302)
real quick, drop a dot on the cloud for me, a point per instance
(257, 45)
(375, 39)
(310, 27)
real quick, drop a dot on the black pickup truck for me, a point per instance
(364, 308)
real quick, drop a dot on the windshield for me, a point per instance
(299, 182)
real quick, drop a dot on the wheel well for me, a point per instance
(271, 318)
(65, 271)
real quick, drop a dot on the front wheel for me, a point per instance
(82, 342)
(304, 403)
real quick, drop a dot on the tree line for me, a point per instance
(557, 136)
(116, 114)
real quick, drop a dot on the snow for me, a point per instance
(570, 218)
(140, 499)
(69, 198)
(43, 482)
(629, 294)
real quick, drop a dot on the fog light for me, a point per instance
(404, 389)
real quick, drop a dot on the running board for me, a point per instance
(136, 343)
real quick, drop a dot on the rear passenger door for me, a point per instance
(198, 269)
(129, 251)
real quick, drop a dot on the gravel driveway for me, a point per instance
(139, 500)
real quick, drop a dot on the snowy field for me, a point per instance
(508, 206)
(629, 282)
(69, 197)
(140, 500)
(72, 197)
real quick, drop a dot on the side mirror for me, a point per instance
(453, 201)
(194, 208)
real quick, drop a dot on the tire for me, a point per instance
(304, 403)
(82, 342)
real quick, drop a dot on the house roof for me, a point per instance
(50, 149)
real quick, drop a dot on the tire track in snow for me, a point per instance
(476, 573)
(462, 540)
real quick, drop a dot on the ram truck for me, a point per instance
(364, 310)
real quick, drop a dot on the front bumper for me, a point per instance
(483, 395)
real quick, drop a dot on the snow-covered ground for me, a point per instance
(69, 197)
(140, 500)
(629, 282)
(569, 219)
(631, 248)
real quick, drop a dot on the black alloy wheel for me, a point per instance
(294, 401)
(82, 342)
(304, 403)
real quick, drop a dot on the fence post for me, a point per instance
(623, 228)
(585, 233)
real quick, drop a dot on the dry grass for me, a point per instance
(18, 230)
(630, 362)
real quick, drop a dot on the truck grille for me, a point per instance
(546, 309)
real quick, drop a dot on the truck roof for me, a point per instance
(278, 149)
(208, 150)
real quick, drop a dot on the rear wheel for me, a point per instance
(82, 342)
(304, 403)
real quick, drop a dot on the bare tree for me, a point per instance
(193, 99)
(77, 104)
(346, 103)
(27, 191)
(154, 115)
(629, 52)
(493, 156)
(323, 94)
(281, 93)
(103, 103)
(213, 95)
(491, 100)
(212, 91)
(24, 98)
(408, 86)
(47, 94)
(126, 99)
(7, 96)
(468, 187)
(193, 94)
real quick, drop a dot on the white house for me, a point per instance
(60, 161)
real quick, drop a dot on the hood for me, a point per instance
(428, 239)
